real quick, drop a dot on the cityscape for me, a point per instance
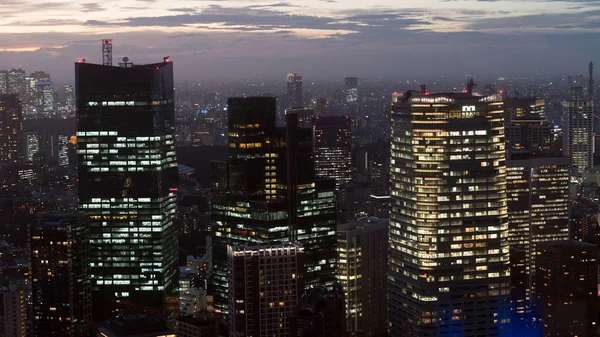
(138, 199)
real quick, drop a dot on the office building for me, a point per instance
(538, 211)
(528, 134)
(333, 148)
(567, 288)
(59, 273)
(306, 116)
(32, 145)
(141, 325)
(578, 133)
(321, 313)
(524, 107)
(11, 129)
(449, 256)
(265, 286)
(44, 92)
(3, 82)
(267, 192)
(351, 89)
(16, 83)
(362, 272)
(13, 311)
(128, 184)
(196, 326)
(584, 221)
(294, 91)
(321, 108)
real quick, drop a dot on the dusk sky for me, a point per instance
(225, 39)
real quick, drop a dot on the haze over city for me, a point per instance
(318, 38)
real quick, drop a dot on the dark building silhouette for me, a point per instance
(59, 273)
(584, 221)
(136, 326)
(528, 134)
(128, 184)
(321, 313)
(333, 148)
(294, 91)
(524, 107)
(566, 288)
(11, 129)
(321, 108)
(267, 192)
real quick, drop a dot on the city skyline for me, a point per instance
(347, 38)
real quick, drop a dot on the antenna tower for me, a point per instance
(107, 52)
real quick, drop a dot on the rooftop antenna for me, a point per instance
(126, 63)
(107, 52)
(470, 85)
(166, 59)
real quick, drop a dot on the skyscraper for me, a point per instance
(578, 133)
(524, 107)
(128, 183)
(267, 192)
(351, 89)
(449, 254)
(294, 91)
(13, 312)
(538, 208)
(333, 148)
(11, 128)
(528, 133)
(567, 288)
(44, 92)
(3, 82)
(362, 272)
(16, 82)
(321, 313)
(59, 272)
(265, 286)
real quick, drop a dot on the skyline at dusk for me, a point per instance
(318, 38)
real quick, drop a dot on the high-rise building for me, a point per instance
(321, 313)
(351, 89)
(584, 224)
(567, 288)
(333, 148)
(16, 82)
(578, 133)
(538, 211)
(196, 326)
(449, 254)
(524, 107)
(59, 273)
(32, 145)
(306, 116)
(527, 133)
(141, 325)
(362, 272)
(294, 91)
(128, 184)
(321, 108)
(3, 82)
(265, 286)
(13, 311)
(44, 99)
(11, 128)
(267, 192)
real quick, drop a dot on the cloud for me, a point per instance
(91, 7)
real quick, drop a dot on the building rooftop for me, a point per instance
(369, 222)
(197, 320)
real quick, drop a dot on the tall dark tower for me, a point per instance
(267, 192)
(591, 82)
(128, 184)
(11, 129)
(107, 52)
(294, 91)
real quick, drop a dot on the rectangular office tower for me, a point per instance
(333, 148)
(267, 192)
(59, 272)
(265, 286)
(578, 134)
(128, 183)
(449, 254)
(362, 272)
(11, 128)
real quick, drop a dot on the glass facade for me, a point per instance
(128, 184)
(11, 128)
(267, 192)
(333, 148)
(578, 134)
(449, 254)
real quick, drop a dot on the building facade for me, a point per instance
(567, 288)
(267, 192)
(333, 148)
(13, 312)
(128, 184)
(362, 273)
(265, 286)
(11, 129)
(321, 313)
(294, 91)
(578, 134)
(59, 274)
(449, 254)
